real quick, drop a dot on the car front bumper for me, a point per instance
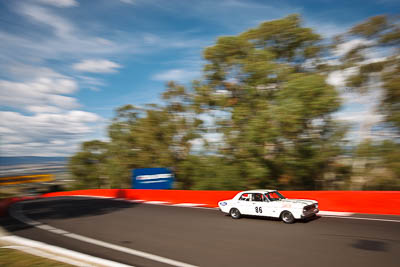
(309, 213)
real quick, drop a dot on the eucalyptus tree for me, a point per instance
(264, 99)
(271, 104)
(380, 37)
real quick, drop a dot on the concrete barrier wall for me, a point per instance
(371, 202)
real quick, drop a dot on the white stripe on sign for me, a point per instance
(16, 212)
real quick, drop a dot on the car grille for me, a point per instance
(309, 207)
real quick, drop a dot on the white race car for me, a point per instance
(269, 203)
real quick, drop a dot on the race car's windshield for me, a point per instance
(274, 196)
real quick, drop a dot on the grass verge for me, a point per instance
(15, 258)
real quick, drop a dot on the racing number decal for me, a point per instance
(258, 210)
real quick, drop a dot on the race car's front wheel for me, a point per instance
(235, 213)
(287, 217)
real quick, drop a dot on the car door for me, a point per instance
(244, 204)
(268, 207)
(271, 205)
(257, 205)
(260, 205)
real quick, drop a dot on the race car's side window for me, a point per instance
(273, 196)
(245, 197)
(258, 197)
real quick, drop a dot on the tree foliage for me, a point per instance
(382, 168)
(264, 100)
(380, 33)
(275, 114)
(88, 164)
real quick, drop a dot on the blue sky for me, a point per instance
(65, 65)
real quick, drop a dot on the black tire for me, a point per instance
(287, 217)
(235, 213)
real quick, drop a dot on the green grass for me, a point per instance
(16, 258)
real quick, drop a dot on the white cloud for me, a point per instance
(324, 27)
(62, 40)
(28, 72)
(130, 2)
(97, 66)
(57, 142)
(46, 122)
(4, 131)
(91, 82)
(212, 138)
(43, 109)
(63, 101)
(151, 39)
(359, 116)
(60, 3)
(40, 92)
(338, 78)
(362, 123)
(360, 110)
(82, 116)
(68, 39)
(53, 129)
(36, 127)
(61, 27)
(12, 139)
(44, 133)
(178, 75)
(46, 116)
(346, 47)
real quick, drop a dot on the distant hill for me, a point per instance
(8, 161)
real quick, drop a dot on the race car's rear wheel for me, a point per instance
(235, 213)
(287, 217)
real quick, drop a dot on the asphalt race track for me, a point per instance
(206, 237)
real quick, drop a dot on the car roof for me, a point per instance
(258, 191)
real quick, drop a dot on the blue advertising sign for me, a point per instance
(152, 178)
